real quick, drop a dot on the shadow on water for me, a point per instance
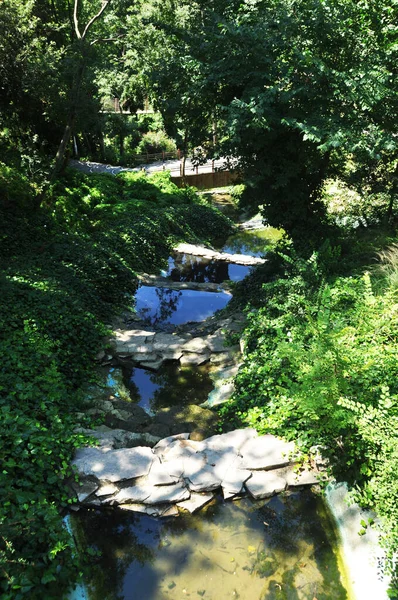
(172, 385)
(253, 550)
(158, 306)
(251, 242)
(188, 267)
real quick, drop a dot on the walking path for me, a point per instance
(174, 166)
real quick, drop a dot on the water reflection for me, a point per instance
(157, 306)
(188, 267)
(252, 243)
(248, 550)
(170, 386)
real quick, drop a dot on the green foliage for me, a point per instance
(66, 269)
(321, 367)
(155, 141)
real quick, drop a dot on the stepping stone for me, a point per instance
(233, 440)
(216, 343)
(152, 365)
(195, 502)
(152, 511)
(158, 475)
(264, 484)
(114, 465)
(197, 345)
(194, 359)
(166, 442)
(84, 489)
(203, 480)
(167, 342)
(148, 494)
(266, 452)
(304, 477)
(234, 479)
(106, 490)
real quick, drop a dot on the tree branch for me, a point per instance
(76, 20)
(95, 17)
(111, 39)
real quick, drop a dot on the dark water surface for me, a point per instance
(188, 267)
(158, 306)
(253, 550)
(172, 385)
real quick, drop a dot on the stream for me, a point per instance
(284, 547)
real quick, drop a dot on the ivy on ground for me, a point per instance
(66, 269)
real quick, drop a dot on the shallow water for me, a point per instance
(282, 548)
(251, 242)
(188, 267)
(158, 306)
(170, 386)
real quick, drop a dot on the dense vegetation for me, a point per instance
(66, 270)
(299, 95)
(321, 366)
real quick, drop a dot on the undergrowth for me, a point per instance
(66, 270)
(321, 367)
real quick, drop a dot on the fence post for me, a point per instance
(212, 166)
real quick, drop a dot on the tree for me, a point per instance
(298, 89)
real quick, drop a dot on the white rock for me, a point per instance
(263, 484)
(233, 440)
(266, 452)
(203, 480)
(195, 502)
(194, 359)
(148, 494)
(158, 474)
(196, 344)
(107, 490)
(152, 511)
(165, 442)
(304, 477)
(114, 465)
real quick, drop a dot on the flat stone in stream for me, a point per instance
(264, 484)
(114, 465)
(179, 470)
(266, 452)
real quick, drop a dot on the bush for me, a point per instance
(321, 367)
(155, 141)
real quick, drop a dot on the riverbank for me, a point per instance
(65, 272)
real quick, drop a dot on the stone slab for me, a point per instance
(152, 511)
(149, 494)
(114, 465)
(266, 452)
(166, 442)
(152, 365)
(233, 440)
(158, 474)
(194, 359)
(304, 477)
(197, 345)
(264, 484)
(107, 490)
(195, 502)
(204, 480)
